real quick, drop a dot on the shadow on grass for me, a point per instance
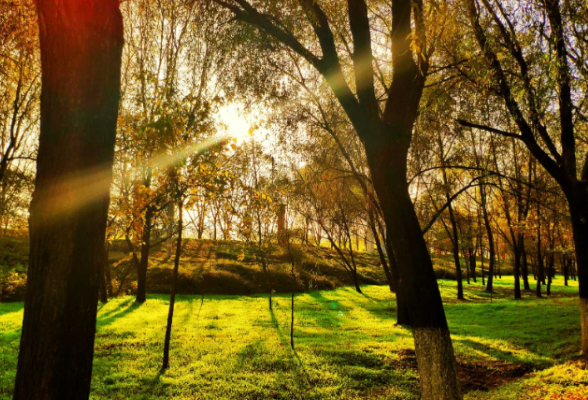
(9, 308)
(123, 309)
(285, 341)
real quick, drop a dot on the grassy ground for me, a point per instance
(347, 347)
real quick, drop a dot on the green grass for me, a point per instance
(347, 346)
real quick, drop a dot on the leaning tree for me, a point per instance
(340, 48)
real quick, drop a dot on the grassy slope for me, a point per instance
(226, 267)
(347, 346)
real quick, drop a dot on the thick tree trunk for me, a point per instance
(144, 261)
(579, 215)
(435, 357)
(81, 45)
(172, 297)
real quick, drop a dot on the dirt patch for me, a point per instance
(477, 376)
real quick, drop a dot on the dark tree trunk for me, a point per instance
(81, 45)
(579, 216)
(565, 269)
(356, 280)
(489, 281)
(472, 256)
(482, 261)
(455, 246)
(466, 260)
(172, 297)
(525, 266)
(517, 272)
(103, 291)
(540, 268)
(144, 260)
(417, 281)
(402, 315)
(387, 273)
(550, 267)
(108, 273)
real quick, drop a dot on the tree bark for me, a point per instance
(81, 47)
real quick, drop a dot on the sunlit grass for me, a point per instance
(347, 345)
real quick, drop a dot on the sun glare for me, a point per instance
(236, 124)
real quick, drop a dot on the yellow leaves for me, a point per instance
(234, 146)
(241, 256)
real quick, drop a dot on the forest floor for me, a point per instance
(347, 346)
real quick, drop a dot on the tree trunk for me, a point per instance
(402, 315)
(455, 246)
(525, 266)
(108, 272)
(144, 261)
(579, 216)
(482, 261)
(490, 277)
(517, 272)
(387, 273)
(435, 357)
(466, 261)
(473, 263)
(172, 297)
(103, 292)
(550, 267)
(81, 46)
(355, 279)
(566, 270)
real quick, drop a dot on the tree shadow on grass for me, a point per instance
(286, 342)
(125, 308)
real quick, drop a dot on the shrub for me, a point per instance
(13, 287)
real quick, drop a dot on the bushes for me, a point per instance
(14, 254)
(13, 286)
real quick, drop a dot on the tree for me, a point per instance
(386, 136)
(554, 138)
(81, 46)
